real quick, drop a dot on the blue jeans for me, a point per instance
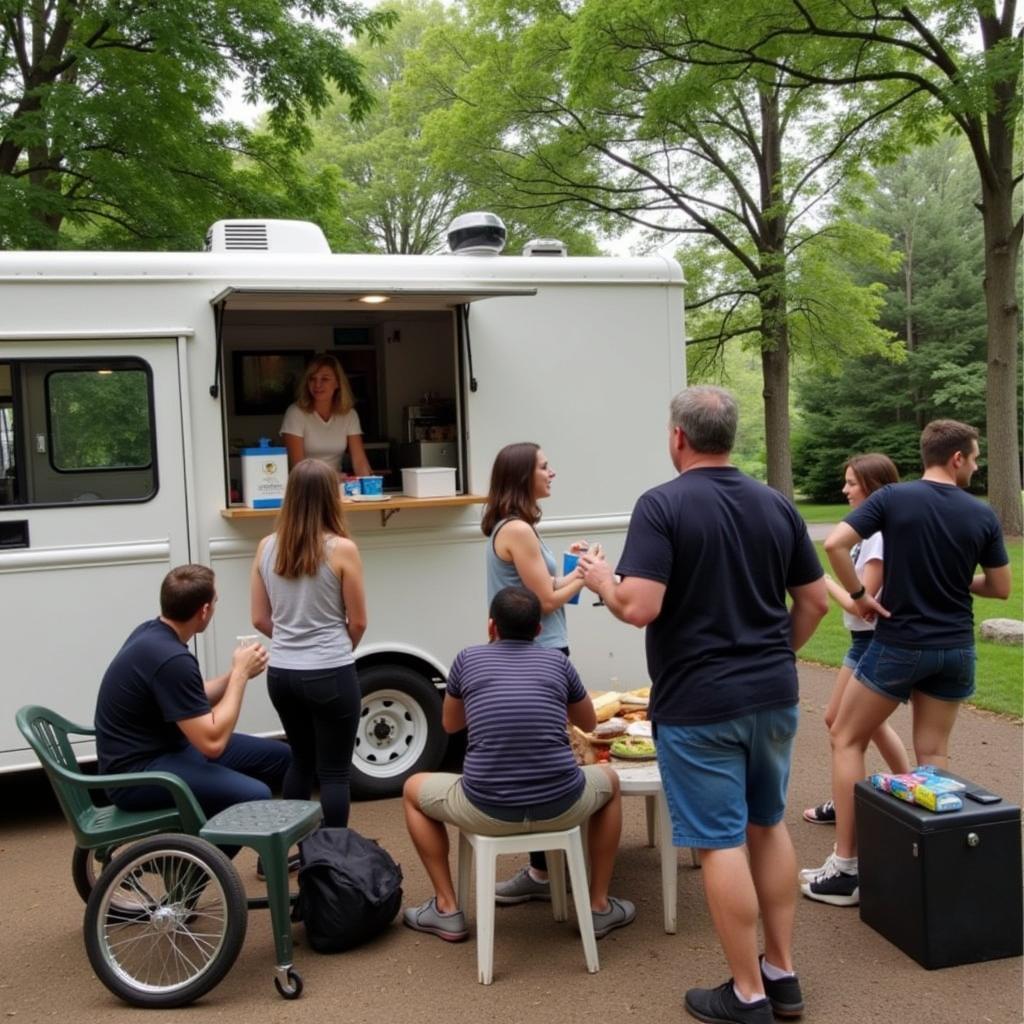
(319, 709)
(720, 777)
(249, 769)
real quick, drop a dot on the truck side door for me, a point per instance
(93, 512)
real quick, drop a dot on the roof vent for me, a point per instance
(477, 234)
(265, 236)
(545, 247)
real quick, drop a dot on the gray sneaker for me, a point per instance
(520, 888)
(427, 918)
(618, 915)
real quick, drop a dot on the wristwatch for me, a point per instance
(857, 594)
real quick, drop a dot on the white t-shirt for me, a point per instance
(868, 550)
(323, 440)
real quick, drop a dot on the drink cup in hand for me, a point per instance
(569, 563)
(247, 639)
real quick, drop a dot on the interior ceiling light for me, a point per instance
(373, 300)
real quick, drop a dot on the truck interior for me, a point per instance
(401, 365)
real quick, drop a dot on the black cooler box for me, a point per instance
(944, 888)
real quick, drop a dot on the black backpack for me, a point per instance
(350, 889)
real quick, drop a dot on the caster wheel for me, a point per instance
(294, 987)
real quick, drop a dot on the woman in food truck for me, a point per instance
(307, 596)
(322, 422)
(517, 557)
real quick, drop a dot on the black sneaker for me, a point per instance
(721, 1006)
(784, 993)
(833, 886)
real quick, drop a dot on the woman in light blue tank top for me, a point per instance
(516, 556)
(307, 596)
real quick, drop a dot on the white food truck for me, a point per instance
(131, 382)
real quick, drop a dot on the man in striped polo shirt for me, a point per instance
(519, 773)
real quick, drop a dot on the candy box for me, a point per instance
(903, 786)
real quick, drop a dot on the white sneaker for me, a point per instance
(813, 874)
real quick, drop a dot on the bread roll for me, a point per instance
(606, 705)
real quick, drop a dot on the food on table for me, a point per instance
(633, 747)
(606, 705)
(615, 726)
(639, 698)
(582, 749)
(642, 730)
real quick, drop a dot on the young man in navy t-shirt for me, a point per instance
(710, 558)
(154, 712)
(519, 774)
(923, 647)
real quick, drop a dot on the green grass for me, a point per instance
(822, 513)
(1000, 671)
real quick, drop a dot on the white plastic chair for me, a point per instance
(554, 844)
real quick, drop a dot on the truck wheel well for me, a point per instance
(424, 668)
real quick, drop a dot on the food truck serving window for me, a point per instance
(401, 356)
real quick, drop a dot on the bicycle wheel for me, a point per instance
(165, 921)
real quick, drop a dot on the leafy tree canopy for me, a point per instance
(111, 119)
(602, 108)
(935, 308)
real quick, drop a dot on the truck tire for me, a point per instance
(399, 731)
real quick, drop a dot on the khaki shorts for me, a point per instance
(441, 798)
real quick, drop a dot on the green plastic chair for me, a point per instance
(166, 919)
(102, 828)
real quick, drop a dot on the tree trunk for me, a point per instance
(1002, 247)
(773, 300)
(775, 375)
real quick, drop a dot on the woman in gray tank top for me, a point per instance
(517, 557)
(307, 596)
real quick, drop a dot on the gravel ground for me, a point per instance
(849, 972)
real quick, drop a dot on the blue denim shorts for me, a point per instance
(860, 640)
(946, 673)
(720, 777)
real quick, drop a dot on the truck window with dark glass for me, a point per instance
(99, 419)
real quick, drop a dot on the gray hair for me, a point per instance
(707, 416)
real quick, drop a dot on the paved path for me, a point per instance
(850, 973)
(819, 531)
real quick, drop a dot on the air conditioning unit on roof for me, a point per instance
(277, 236)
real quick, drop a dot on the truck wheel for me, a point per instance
(399, 732)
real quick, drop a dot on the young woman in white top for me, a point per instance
(322, 422)
(864, 474)
(307, 596)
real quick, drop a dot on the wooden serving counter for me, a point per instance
(386, 507)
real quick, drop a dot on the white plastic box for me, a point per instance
(432, 482)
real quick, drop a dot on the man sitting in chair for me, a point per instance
(519, 774)
(154, 712)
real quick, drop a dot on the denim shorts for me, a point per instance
(720, 777)
(860, 640)
(946, 673)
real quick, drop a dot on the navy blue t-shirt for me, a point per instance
(153, 682)
(727, 548)
(935, 536)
